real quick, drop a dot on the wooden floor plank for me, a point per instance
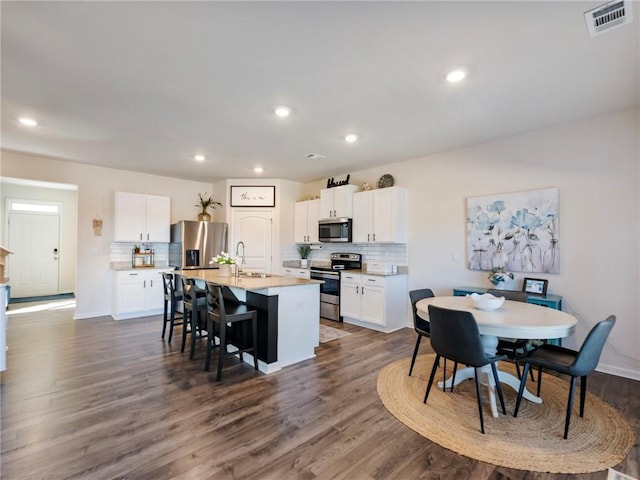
(100, 399)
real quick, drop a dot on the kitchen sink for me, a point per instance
(254, 274)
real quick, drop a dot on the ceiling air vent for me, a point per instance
(610, 15)
(315, 156)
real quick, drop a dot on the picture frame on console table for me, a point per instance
(535, 286)
(253, 196)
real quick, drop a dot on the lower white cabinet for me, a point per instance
(137, 293)
(374, 301)
(296, 272)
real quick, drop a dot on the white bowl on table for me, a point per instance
(486, 301)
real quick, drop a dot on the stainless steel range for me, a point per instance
(330, 290)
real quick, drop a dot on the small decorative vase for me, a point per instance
(204, 217)
(304, 262)
(226, 269)
(506, 284)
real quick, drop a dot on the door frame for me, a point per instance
(30, 201)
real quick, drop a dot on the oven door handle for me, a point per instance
(328, 276)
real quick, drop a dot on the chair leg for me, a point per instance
(194, 329)
(523, 383)
(453, 377)
(572, 389)
(222, 349)
(164, 322)
(498, 386)
(539, 380)
(415, 353)
(433, 374)
(254, 324)
(479, 397)
(185, 322)
(173, 319)
(583, 393)
(207, 360)
(444, 376)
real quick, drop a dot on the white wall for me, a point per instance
(595, 166)
(96, 187)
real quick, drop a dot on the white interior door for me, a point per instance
(255, 229)
(34, 266)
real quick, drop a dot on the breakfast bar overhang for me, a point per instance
(288, 314)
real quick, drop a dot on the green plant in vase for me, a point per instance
(206, 203)
(304, 250)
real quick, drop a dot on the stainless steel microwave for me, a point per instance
(335, 230)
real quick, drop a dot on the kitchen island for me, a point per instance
(288, 314)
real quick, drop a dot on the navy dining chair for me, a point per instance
(568, 362)
(455, 336)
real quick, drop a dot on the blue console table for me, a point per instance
(551, 301)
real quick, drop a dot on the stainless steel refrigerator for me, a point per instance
(193, 244)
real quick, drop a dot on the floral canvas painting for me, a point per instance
(516, 231)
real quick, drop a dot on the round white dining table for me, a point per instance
(511, 320)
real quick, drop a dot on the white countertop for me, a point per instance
(244, 282)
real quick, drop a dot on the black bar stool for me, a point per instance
(172, 297)
(228, 318)
(194, 303)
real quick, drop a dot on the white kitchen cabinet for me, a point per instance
(296, 272)
(137, 293)
(374, 301)
(306, 219)
(337, 202)
(142, 218)
(380, 216)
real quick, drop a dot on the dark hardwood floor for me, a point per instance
(99, 399)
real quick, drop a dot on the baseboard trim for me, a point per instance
(619, 372)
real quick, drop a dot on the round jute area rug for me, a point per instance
(532, 441)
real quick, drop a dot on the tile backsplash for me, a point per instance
(379, 253)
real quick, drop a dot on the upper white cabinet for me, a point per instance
(306, 219)
(337, 202)
(380, 216)
(142, 218)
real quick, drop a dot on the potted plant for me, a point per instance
(226, 263)
(304, 250)
(205, 204)
(501, 279)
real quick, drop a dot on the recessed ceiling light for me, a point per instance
(258, 170)
(199, 158)
(456, 75)
(29, 122)
(352, 137)
(282, 111)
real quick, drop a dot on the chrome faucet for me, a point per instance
(237, 254)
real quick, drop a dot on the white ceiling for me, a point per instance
(143, 86)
